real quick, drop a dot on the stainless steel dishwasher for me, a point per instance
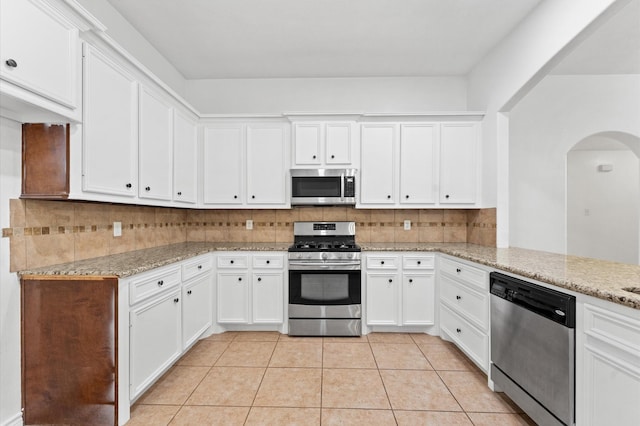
(533, 348)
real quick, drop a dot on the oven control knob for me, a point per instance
(325, 256)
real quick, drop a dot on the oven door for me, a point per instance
(324, 293)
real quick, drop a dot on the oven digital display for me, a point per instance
(324, 226)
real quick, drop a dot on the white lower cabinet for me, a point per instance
(250, 288)
(170, 308)
(155, 339)
(464, 308)
(400, 289)
(608, 368)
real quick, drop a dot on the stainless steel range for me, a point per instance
(324, 280)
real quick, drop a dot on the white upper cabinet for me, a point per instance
(413, 165)
(185, 159)
(110, 127)
(223, 165)
(418, 154)
(156, 146)
(377, 174)
(39, 51)
(458, 163)
(266, 164)
(323, 144)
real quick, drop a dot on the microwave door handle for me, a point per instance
(342, 185)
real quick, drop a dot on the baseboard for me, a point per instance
(16, 420)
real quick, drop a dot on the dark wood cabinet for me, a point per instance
(45, 161)
(69, 350)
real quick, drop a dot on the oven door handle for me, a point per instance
(326, 265)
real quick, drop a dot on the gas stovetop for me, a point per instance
(324, 237)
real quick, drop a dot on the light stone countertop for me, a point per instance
(598, 278)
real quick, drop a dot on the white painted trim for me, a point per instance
(15, 420)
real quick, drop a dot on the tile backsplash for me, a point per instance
(45, 233)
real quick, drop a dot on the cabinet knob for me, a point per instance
(160, 283)
(179, 193)
(314, 157)
(446, 196)
(231, 261)
(268, 262)
(410, 280)
(333, 156)
(199, 266)
(235, 196)
(458, 297)
(458, 330)
(188, 291)
(458, 270)
(390, 280)
(419, 262)
(253, 196)
(147, 188)
(11, 63)
(128, 185)
(176, 300)
(389, 197)
(406, 196)
(259, 279)
(239, 278)
(382, 262)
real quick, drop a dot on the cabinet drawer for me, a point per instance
(383, 262)
(469, 339)
(149, 284)
(194, 267)
(233, 261)
(418, 261)
(466, 301)
(466, 273)
(619, 331)
(270, 261)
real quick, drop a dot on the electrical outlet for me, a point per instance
(117, 229)
(249, 224)
(407, 225)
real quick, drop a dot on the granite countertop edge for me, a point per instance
(600, 279)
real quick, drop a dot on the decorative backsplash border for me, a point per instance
(43, 233)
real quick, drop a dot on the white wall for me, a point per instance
(131, 40)
(544, 126)
(375, 94)
(10, 171)
(603, 208)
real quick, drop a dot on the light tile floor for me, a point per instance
(265, 378)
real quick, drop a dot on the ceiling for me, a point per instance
(614, 48)
(323, 38)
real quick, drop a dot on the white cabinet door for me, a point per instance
(418, 299)
(196, 309)
(110, 127)
(268, 297)
(156, 146)
(155, 339)
(382, 298)
(458, 163)
(307, 140)
(39, 50)
(377, 175)
(266, 164)
(185, 159)
(338, 143)
(223, 164)
(418, 145)
(233, 297)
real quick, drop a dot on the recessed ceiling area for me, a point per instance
(208, 39)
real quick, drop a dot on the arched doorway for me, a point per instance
(603, 197)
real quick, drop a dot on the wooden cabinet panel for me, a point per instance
(69, 358)
(45, 161)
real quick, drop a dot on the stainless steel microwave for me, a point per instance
(323, 186)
